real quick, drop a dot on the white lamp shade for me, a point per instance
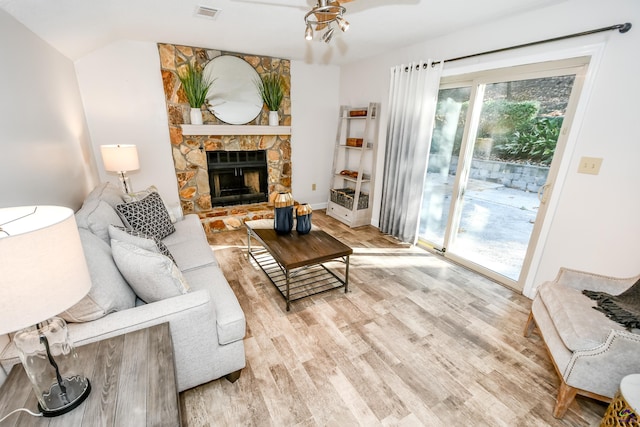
(120, 157)
(42, 265)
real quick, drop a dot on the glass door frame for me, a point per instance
(477, 81)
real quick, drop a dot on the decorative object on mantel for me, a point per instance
(121, 158)
(44, 272)
(303, 218)
(233, 99)
(323, 15)
(283, 213)
(196, 87)
(271, 88)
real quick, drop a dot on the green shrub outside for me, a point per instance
(536, 142)
(517, 132)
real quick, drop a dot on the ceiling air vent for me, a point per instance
(207, 12)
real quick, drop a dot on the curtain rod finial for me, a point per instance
(625, 27)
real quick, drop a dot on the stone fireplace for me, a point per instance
(191, 153)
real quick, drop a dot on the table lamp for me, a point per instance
(120, 158)
(43, 272)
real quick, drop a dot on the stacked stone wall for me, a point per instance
(511, 175)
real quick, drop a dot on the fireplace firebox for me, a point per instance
(237, 177)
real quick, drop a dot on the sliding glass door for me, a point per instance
(492, 156)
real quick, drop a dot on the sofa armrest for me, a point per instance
(616, 358)
(594, 282)
(181, 312)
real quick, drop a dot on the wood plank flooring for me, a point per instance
(416, 341)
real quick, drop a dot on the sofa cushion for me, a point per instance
(96, 215)
(106, 192)
(578, 324)
(109, 291)
(148, 215)
(189, 245)
(152, 276)
(140, 239)
(139, 195)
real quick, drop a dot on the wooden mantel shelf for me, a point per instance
(235, 130)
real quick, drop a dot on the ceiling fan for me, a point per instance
(323, 15)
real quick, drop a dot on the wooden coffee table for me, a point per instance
(133, 383)
(295, 262)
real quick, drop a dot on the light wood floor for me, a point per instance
(416, 341)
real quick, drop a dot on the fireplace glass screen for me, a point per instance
(237, 177)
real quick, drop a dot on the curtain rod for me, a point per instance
(623, 28)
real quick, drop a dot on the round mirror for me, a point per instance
(233, 97)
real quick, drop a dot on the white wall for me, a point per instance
(124, 102)
(46, 156)
(314, 110)
(595, 226)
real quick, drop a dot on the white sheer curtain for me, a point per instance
(413, 94)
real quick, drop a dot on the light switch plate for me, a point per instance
(590, 165)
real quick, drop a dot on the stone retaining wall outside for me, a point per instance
(511, 175)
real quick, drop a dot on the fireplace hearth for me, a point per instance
(237, 177)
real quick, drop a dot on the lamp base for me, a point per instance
(58, 403)
(125, 183)
(49, 359)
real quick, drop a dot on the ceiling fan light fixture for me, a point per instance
(328, 35)
(308, 32)
(342, 23)
(325, 13)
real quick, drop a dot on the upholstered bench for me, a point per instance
(591, 353)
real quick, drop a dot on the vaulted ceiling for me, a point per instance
(264, 27)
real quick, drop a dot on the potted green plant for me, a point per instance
(196, 88)
(271, 88)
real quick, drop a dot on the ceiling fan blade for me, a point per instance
(267, 3)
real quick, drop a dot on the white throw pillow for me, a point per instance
(109, 291)
(106, 192)
(139, 239)
(151, 275)
(96, 215)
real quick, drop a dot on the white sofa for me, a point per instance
(206, 321)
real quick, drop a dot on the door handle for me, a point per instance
(542, 192)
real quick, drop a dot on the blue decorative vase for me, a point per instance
(303, 219)
(283, 215)
(283, 220)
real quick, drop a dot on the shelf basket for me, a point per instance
(344, 197)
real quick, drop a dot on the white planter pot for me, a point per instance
(273, 118)
(196, 116)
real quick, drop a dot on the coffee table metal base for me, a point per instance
(300, 282)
